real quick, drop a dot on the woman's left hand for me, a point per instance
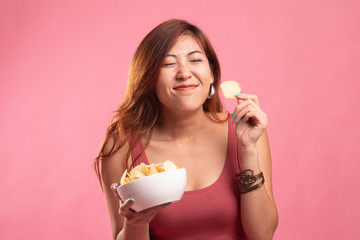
(250, 120)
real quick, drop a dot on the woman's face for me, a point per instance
(185, 76)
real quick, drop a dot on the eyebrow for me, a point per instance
(191, 53)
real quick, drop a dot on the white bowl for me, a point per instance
(155, 189)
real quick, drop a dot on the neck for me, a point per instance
(181, 126)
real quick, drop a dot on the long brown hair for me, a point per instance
(140, 109)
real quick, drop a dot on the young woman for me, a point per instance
(172, 111)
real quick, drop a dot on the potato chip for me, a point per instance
(230, 88)
(122, 180)
(159, 168)
(168, 165)
(143, 170)
(125, 178)
(152, 169)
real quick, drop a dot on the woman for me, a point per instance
(172, 110)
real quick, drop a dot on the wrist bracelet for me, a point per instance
(245, 180)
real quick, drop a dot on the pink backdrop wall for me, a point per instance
(63, 68)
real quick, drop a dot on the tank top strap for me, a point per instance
(233, 156)
(138, 153)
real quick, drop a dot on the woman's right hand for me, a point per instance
(136, 219)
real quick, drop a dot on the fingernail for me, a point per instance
(166, 204)
(238, 94)
(242, 120)
(131, 201)
(116, 185)
(234, 120)
(233, 115)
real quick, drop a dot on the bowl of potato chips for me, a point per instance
(152, 185)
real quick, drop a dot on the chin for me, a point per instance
(190, 108)
(185, 105)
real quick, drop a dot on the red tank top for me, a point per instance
(212, 212)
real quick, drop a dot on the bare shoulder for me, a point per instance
(223, 124)
(113, 166)
(112, 169)
(222, 116)
(217, 129)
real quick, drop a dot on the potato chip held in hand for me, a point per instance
(143, 170)
(230, 89)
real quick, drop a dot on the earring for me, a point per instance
(212, 91)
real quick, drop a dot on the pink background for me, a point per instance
(63, 67)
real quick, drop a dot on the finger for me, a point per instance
(144, 216)
(251, 101)
(257, 118)
(239, 116)
(149, 214)
(244, 104)
(249, 115)
(241, 105)
(154, 209)
(114, 187)
(245, 96)
(125, 207)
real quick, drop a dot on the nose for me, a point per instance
(184, 71)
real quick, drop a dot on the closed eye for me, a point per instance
(196, 60)
(168, 64)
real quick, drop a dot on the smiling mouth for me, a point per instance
(185, 88)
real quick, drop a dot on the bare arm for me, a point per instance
(126, 224)
(258, 210)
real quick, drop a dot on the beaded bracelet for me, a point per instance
(246, 178)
